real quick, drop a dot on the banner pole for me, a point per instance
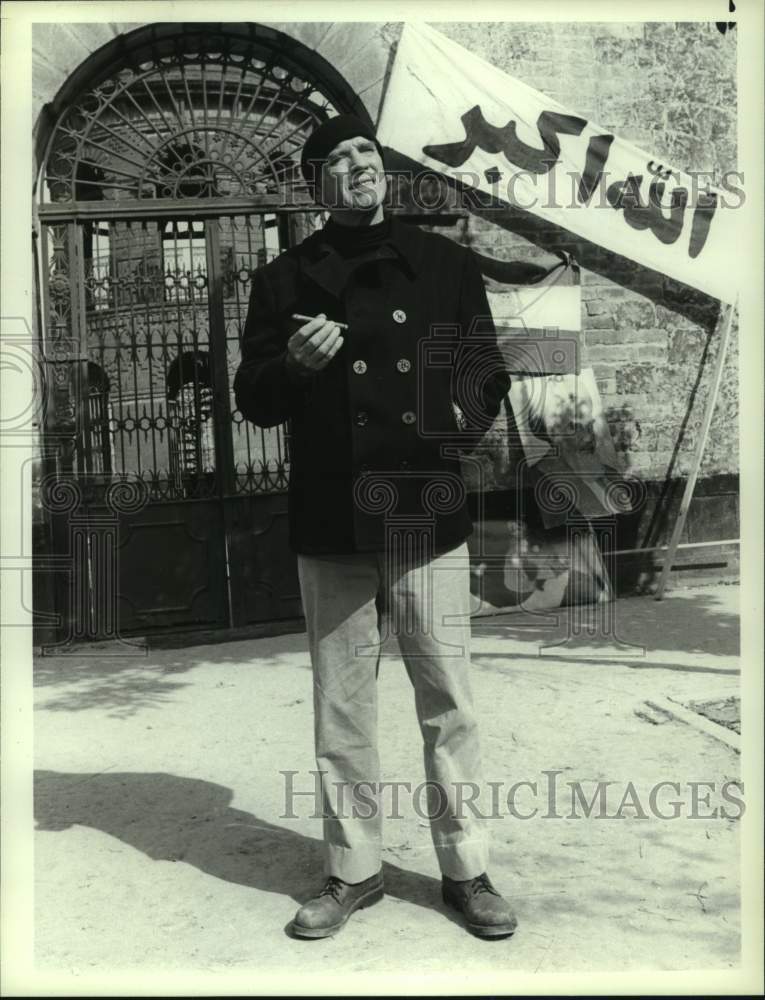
(726, 322)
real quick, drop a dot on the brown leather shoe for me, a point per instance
(326, 913)
(486, 913)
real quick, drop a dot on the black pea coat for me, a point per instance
(374, 436)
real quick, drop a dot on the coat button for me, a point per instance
(359, 367)
(361, 418)
(409, 417)
(403, 364)
(399, 315)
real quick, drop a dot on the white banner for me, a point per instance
(457, 114)
(548, 306)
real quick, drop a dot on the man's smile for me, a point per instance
(361, 180)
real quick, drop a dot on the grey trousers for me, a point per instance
(428, 605)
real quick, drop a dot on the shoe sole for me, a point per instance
(482, 930)
(368, 899)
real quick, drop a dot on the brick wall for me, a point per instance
(671, 89)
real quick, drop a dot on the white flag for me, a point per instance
(459, 115)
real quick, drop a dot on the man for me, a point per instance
(377, 508)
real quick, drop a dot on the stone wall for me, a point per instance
(671, 89)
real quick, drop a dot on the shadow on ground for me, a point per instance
(190, 821)
(627, 631)
(102, 677)
(695, 624)
(176, 819)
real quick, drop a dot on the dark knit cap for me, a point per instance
(323, 140)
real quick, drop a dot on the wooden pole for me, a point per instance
(725, 321)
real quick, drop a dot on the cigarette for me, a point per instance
(307, 319)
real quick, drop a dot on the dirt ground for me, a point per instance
(162, 842)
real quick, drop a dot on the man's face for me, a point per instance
(352, 176)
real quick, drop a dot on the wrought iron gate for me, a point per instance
(169, 175)
(201, 527)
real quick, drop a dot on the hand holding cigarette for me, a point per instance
(306, 319)
(313, 346)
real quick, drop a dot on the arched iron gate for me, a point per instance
(168, 178)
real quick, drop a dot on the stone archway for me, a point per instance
(354, 58)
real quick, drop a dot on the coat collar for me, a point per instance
(324, 265)
(409, 241)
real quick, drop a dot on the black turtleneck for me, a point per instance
(349, 241)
